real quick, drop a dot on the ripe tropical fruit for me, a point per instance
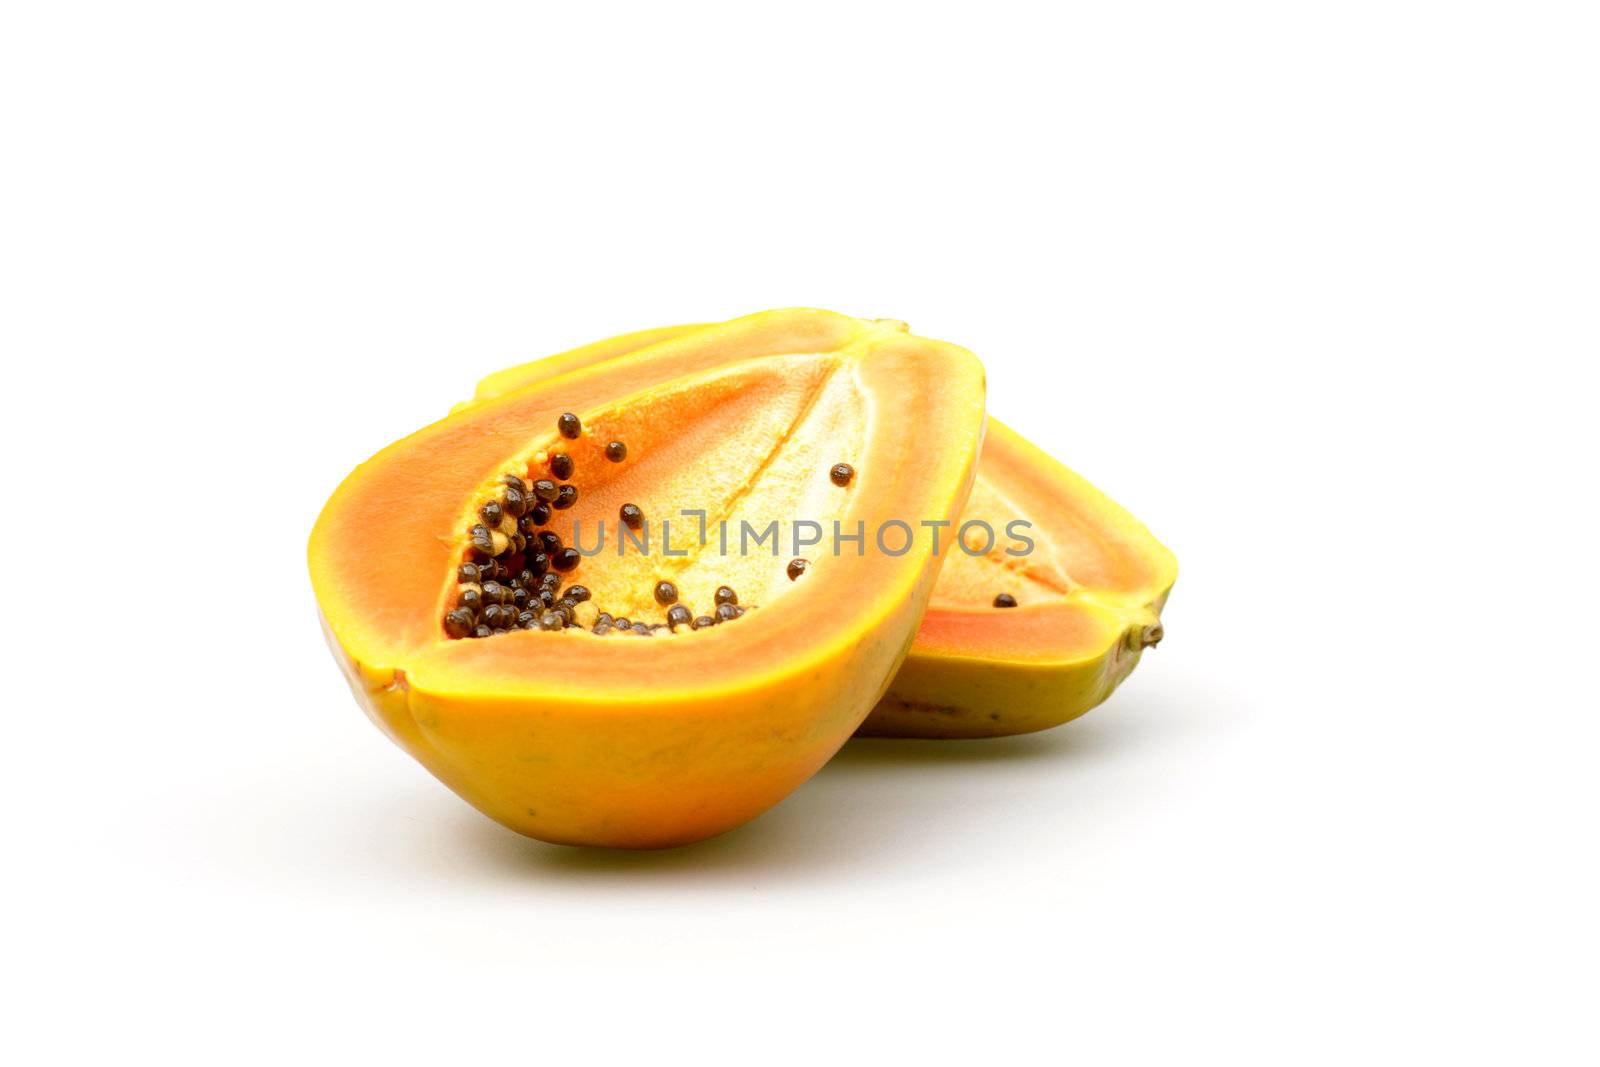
(484, 586)
(1010, 643)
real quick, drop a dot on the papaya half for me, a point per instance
(1080, 607)
(484, 587)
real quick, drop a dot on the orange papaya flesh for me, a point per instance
(1089, 595)
(650, 741)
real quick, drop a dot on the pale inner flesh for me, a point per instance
(748, 445)
(974, 576)
(1074, 552)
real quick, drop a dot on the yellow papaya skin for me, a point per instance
(971, 672)
(652, 742)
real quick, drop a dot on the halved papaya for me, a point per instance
(483, 584)
(1083, 604)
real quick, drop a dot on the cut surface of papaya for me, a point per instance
(1010, 643)
(485, 590)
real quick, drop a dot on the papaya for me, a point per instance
(1010, 643)
(516, 601)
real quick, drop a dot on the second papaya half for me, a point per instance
(1009, 643)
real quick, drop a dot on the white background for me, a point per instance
(1309, 288)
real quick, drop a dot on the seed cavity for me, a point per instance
(512, 574)
(841, 474)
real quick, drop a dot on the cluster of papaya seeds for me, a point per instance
(487, 623)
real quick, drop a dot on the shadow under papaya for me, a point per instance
(878, 798)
